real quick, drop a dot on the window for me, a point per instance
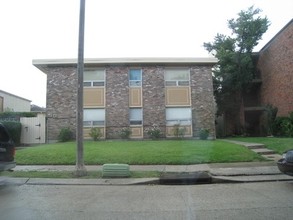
(180, 116)
(135, 116)
(93, 117)
(94, 78)
(134, 77)
(177, 77)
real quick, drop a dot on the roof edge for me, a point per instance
(181, 60)
(16, 96)
(274, 37)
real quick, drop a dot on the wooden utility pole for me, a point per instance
(80, 168)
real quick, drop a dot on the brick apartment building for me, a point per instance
(132, 93)
(272, 85)
(275, 64)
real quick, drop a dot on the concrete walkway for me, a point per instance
(259, 149)
(219, 172)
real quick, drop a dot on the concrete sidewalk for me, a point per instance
(219, 172)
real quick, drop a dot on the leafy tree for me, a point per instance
(235, 70)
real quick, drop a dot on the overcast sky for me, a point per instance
(44, 29)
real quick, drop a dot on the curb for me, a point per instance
(196, 179)
(251, 179)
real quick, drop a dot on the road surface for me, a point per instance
(270, 200)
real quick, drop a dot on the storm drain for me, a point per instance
(185, 178)
(115, 170)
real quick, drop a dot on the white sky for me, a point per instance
(43, 29)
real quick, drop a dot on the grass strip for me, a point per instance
(68, 174)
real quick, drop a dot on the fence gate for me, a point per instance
(33, 130)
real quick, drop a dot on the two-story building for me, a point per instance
(134, 93)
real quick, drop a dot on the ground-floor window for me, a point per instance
(181, 116)
(135, 116)
(93, 117)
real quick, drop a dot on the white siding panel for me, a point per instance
(15, 103)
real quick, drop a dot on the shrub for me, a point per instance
(283, 126)
(65, 135)
(96, 133)
(204, 134)
(14, 130)
(271, 116)
(178, 131)
(154, 132)
(16, 115)
(125, 133)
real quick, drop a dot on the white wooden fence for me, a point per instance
(33, 130)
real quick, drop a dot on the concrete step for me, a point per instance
(255, 146)
(263, 151)
(274, 157)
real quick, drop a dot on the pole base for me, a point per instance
(80, 171)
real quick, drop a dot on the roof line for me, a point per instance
(210, 60)
(277, 34)
(7, 93)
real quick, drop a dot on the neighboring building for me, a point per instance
(132, 93)
(10, 102)
(33, 129)
(272, 85)
(35, 108)
(275, 64)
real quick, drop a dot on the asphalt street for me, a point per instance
(265, 200)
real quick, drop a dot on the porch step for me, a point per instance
(255, 146)
(263, 151)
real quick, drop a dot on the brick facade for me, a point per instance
(276, 67)
(62, 96)
(154, 97)
(117, 110)
(202, 99)
(61, 100)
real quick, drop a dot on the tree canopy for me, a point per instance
(236, 69)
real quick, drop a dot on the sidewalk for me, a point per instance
(218, 172)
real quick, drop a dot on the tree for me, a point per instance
(235, 70)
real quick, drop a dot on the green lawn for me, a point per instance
(278, 144)
(68, 174)
(138, 152)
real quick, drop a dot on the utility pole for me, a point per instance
(80, 168)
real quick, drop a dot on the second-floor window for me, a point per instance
(135, 77)
(94, 78)
(177, 77)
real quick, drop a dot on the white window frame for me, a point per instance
(136, 120)
(94, 83)
(135, 83)
(176, 82)
(97, 120)
(183, 117)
